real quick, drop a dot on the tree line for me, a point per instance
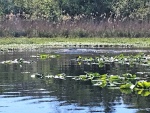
(55, 10)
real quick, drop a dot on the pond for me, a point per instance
(22, 92)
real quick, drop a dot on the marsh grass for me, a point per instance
(81, 28)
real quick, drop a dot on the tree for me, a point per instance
(23, 8)
(89, 8)
(45, 9)
(6, 6)
(132, 8)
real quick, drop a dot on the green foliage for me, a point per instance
(85, 8)
(54, 9)
(33, 9)
(6, 6)
(135, 9)
(46, 9)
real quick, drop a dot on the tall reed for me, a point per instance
(78, 28)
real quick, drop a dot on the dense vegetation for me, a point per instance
(55, 9)
(75, 18)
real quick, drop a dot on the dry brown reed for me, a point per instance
(77, 28)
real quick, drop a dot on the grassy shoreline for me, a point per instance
(60, 42)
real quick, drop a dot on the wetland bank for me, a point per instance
(61, 42)
(39, 75)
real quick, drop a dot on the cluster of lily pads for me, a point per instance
(16, 61)
(46, 56)
(61, 76)
(139, 59)
(23, 61)
(126, 83)
(105, 80)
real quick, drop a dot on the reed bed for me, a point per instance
(78, 28)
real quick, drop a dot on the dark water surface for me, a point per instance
(20, 93)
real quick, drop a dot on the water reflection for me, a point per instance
(21, 93)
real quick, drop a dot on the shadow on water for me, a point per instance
(19, 92)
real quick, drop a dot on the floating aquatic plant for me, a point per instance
(16, 61)
(46, 56)
(126, 81)
(139, 85)
(41, 76)
(105, 80)
(130, 60)
(143, 92)
(143, 85)
(129, 76)
(92, 75)
(101, 83)
(37, 75)
(127, 86)
(60, 76)
(114, 78)
(82, 78)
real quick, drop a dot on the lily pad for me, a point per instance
(143, 84)
(126, 86)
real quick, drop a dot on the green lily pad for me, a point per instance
(114, 78)
(126, 86)
(143, 84)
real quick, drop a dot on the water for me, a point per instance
(20, 93)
